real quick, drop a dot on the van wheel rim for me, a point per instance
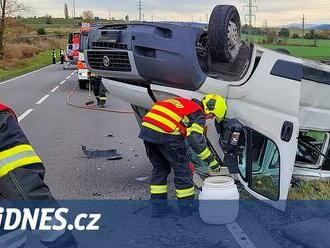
(233, 38)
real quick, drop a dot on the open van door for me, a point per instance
(268, 107)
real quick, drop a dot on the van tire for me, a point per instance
(224, 33)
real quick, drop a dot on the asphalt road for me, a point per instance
(57, 131)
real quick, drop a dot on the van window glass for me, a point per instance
(241, 154)
(83, 43)
(326, 163)
(310, 144)
(265, 166)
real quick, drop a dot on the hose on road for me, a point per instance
(68, 101)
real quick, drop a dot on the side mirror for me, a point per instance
(231, 136)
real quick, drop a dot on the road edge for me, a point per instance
(25, 74)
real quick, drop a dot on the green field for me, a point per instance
(298, 47)
(41, 60)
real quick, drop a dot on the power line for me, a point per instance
(74, 8)
(251, 10)
(140, 9)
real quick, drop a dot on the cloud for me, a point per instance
(276, 12)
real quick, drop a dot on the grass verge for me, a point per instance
(310, 190)
(27, 65)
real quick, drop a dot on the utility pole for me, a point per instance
(251, 10)
(66, 13)
(140, 9)
(206, 18)
(74, 8)
(109, 15)
(152, 18)
(303, 26)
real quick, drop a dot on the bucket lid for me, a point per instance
(219, 182)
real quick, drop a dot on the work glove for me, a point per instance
(215, 168)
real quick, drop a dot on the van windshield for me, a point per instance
(83, 43)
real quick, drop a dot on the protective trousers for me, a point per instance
(99, 91)
(164, 157)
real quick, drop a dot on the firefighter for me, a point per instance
(22, 178)
(54, 56)
(164, 131)
(99, 90)
(62, 57)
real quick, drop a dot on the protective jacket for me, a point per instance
(22, 178)
(15, 150)
(174, 120)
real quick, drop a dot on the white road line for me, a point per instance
(62, 82)
(42, 99)
(24, 75)
(53, 90)
(240, 236)
(68, 77)
(25, 114)
(72, 73)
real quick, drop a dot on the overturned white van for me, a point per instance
(282, 102)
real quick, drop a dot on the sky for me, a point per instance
(275, 12)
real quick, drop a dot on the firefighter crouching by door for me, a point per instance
(99, 90)
(22, 178)
(164, 130)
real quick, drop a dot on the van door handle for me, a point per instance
(287, 131)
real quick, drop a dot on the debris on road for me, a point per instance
(110, 135)
(109, 154)
(142, 179)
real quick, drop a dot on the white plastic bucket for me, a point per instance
(219, 203)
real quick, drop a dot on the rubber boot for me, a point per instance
(160, 209)
(187, 207)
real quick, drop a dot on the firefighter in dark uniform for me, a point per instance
(99, 90)
(54, 56)
(22, 178)
(62, 57)
(164, 131)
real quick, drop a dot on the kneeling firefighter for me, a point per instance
(164, 131)
(22, 178)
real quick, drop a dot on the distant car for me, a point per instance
(281, 102)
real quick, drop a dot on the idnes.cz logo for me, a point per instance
(46, 219)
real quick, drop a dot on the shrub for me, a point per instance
(41, 31)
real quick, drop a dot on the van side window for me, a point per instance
(264, 165)
(326, 163)
(310, 144)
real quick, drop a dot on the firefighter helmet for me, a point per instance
(214, 104)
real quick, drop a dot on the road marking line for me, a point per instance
(72, 73)
(42, 99)
(24, 75)
(240, 236)
(62, 82)
(53, 90)
(25, 114)
(68, 77)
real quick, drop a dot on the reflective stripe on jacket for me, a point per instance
(15, 149)
(175, 119)
(170, 116)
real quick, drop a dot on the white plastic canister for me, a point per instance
(219, 203)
